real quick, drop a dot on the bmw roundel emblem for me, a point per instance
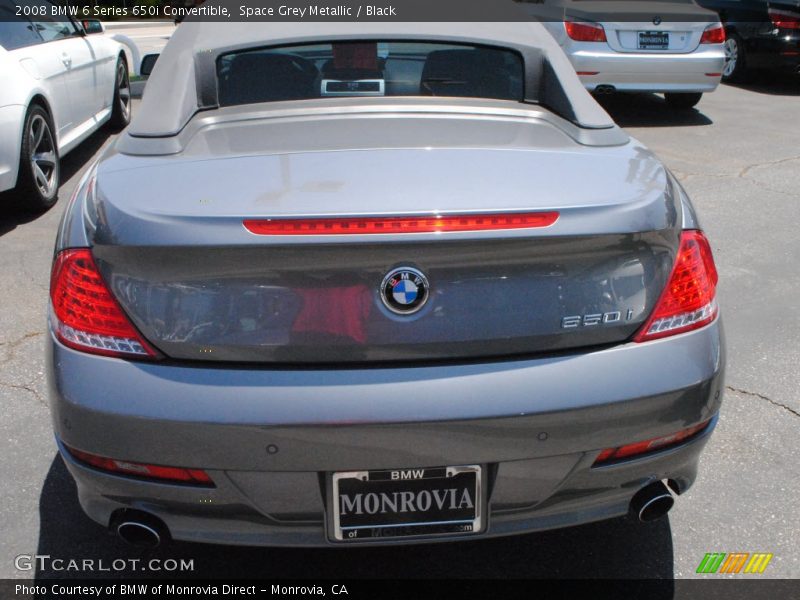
(404, 290)
(657, 21)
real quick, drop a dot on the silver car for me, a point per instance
(60, 81)
(675, 48)
(353, 283)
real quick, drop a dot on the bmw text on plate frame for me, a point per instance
(295, 350)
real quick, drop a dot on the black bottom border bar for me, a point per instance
(405, 589)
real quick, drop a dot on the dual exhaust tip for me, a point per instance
(144, 530)
(605, 90)
(139, 528)
(652, 502)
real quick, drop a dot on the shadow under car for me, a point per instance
(616, 549)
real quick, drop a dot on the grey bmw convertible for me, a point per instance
(367, 283)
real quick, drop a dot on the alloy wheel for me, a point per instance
(731, 56)
(43, 156)
(124, 87)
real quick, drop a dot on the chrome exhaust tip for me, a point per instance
(605, 89)
(652, 502)
(139, 528)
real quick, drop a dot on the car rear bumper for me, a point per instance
(787, 61)
(699, 71)
(268, 438)
(771, 51)
(11, 123)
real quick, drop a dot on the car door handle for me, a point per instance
(66, 59)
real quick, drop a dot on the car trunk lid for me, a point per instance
(647, 27)
(174, 249)
(654, 36)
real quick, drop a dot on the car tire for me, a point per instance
(735, 68)
(682, 101)
(121, 108)
(39, 173)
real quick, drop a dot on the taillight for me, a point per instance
(783, 19)
(585, 32)
(376, 225)
(85, 315)
(714, 34)
(689, 300)
(651, 445)
(135, 469)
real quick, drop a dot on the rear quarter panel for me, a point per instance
(11, 118)
(107, 51)
(16, 90)
(22, 81)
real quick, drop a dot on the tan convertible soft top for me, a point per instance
(184, 80)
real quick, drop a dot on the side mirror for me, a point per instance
(92, 26)
(148, 62)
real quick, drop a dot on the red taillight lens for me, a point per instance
(714, 34)
(85, 314)
(783, 19)
(123, 467)
(651, 445)
(585, 32)
(373, 225)
(689, 300)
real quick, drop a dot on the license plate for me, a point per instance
(407, 502)
(653, 40)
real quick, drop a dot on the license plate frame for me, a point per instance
(653, 40)
(395, 525)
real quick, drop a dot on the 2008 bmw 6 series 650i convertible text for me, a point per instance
(378, 283)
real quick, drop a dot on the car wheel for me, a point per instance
(39, 170)
(121, 110)
(682, 101)
(735, 68)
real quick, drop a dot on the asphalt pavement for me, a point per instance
(739, 158)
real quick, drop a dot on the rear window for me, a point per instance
(371, 68)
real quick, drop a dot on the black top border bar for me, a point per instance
(656, 12)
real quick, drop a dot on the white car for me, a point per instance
(674, 48)
(58, 84)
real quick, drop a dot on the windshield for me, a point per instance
(372, 68)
